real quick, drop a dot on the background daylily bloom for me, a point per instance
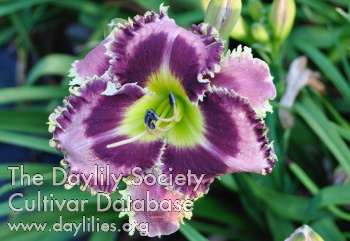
(157, 96)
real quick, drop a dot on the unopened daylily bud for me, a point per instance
(241, 31)
(223, 15)
(116, 22)
(255, 8)
(205, 4)
(260, 33)
(304, 233)
(281, 18)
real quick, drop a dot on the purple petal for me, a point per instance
(155, 44)
(89, 122)
(249, 77)
(235, 140)
(160, 218)
(95, 64)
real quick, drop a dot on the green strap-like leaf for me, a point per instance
(24, 121)
(319, 123)
(191, 234)
(328, 230)
(327, 67)
(20, 94)
(54, 64)
(37, 143)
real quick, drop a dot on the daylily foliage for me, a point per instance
(157, 96)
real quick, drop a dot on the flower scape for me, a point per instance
(168, 100)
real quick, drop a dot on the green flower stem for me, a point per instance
(271, 120)
(227, 44)
(276, 62)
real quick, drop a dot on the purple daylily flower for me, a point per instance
(157, 96)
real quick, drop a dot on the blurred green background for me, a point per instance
(39, 39)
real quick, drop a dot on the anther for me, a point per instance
(152, 121)
(172, 100)
(147, 119)
(151, 126)
(152, 114)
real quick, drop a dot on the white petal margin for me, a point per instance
(248, 76)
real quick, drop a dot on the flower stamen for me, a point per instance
(127, 141)
(152, 121)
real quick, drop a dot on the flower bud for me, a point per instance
(260, 33)
(223, 15)
(255, 8)
(304, 233)
(115, 23)
(205, 4)
(241, 32)
(281, 18)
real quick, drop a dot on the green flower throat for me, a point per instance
(165, 111)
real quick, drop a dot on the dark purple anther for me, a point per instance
(152, 114)
(172, 100)
(151, 126)
(147, 119)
